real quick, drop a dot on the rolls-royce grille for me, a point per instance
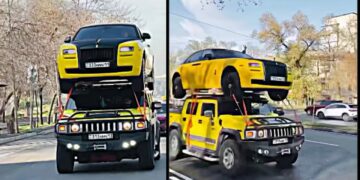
(281, 132)
(274, 69)
(95, 55)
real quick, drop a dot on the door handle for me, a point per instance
(196, 64)
(184, 119)
(200, 121)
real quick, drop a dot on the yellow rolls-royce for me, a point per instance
(106, 51)
(232, 71)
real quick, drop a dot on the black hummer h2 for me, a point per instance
(104, 124)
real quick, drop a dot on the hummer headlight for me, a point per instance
(126, 49)
(260, 133)
(75, 128)
(127, 126)
(69, 51)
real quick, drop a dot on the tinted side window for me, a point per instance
(191, 107)
(207, 107)
(331, 107)
(223, 53)
(194, 57)
(340, 106)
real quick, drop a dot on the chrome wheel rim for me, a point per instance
(174, 146)
(228, 158)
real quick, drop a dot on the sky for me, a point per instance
(153, 15)
(242, 23)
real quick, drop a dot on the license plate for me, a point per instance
(97, 65)
(100, 136)
(280, 141)
(277, 78)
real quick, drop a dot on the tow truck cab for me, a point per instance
(104, 124)
(220, 131)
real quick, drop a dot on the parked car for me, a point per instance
(344, 111)
(161, 117)
(318, 105)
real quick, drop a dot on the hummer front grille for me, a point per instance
(90, 127)
(281, 132)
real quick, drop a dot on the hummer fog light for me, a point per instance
(69, 145)
(132, 143)
(127, 126)
(76, 147)
(260, 151)
(75, 128)
(125, 145)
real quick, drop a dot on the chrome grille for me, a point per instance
(281, 132)
(90, 127)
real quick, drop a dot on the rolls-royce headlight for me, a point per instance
(69, 51)
(126, 49)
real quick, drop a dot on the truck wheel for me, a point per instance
(178, 90)
(232, 159)
(287, 160)
(175, 144)
(64, 159)
(278, 95)
(230, 84)
(146, 153)
(65, 85)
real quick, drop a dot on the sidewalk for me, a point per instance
(14, 137)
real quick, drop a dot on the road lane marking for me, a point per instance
(324, 143)
(179, 174)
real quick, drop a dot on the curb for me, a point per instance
(332, 130)
(42, 131)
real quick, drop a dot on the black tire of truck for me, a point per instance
(175, 145)
(287, 160)
(232, 158)
(230, 84)
(177, 88)
(278, 95)
(146, 153)
(64, 159)
(65, 85)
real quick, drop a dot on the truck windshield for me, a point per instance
(113, 31)
(95, 99)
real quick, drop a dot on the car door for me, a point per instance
(198, 132)
(330, 110)
(213, 127)
(188, 112)
(205, 70)
(339, 110)
(189, 71)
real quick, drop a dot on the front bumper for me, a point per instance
(115, 144)
(273, 150)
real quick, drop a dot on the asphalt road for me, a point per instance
(324, 156)
(34, 159)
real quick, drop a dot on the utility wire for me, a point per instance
(212, 25)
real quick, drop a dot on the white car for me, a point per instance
(346, 112)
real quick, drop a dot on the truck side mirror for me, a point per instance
(67, 39)
(156, 105)
(209, 114)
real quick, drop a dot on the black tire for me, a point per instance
(230, 84)
(278, 95)
(321, 115)
(345, 117)
(64, 159)
(175, 149)
(177, 88)
(232, 159)
(146, 153)
(287, 160)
